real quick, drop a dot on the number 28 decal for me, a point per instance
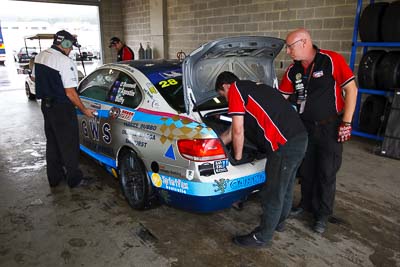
(167, 83)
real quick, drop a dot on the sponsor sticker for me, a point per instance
(221, 166)
(156, 179)
(171, 74)
(189, 174)
(126, 115)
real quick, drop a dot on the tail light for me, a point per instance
(201, 149)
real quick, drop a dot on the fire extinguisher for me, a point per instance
(148, 52)
(141, 52)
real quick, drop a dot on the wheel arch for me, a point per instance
(125, 149)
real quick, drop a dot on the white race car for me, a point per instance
(159, 122)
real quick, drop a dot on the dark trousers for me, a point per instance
(277, 194)
(318, 170)
(62, 147)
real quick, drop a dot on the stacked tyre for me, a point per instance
(374, 114)
(380, 22)
(379, 70)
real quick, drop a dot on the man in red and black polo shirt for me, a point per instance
(260, 113)
(124, 51)
(315, 83)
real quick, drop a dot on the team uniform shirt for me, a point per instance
(322, 82)
(53, 72)
(125, 54)
(269, 119)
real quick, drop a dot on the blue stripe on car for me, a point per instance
(103, 159)
(157, 119)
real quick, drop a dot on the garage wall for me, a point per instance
(191, 23)
(111, 24)
(136, 18)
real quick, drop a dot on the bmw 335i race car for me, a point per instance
(159, 121)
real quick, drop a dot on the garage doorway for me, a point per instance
(20, 19)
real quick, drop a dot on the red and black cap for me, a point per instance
(113, 41)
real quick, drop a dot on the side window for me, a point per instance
(98, 84)
(125, 92)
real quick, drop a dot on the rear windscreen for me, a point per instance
(172, 91)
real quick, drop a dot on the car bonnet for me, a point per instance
(249, 57)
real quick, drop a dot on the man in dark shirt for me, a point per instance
(315, 82)
(124, 51)
(56, 79)
(260, 113)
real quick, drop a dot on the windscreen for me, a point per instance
(172, 91)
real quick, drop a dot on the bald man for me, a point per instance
(321, 85)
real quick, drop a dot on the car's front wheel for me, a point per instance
(28, 92)
(133, 179)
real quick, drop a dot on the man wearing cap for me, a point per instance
(124, 51)
(56, 79)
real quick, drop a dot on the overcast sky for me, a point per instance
(13, 9)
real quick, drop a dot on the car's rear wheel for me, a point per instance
(133, 179)
(28, 93)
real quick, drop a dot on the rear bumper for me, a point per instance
(205, 197)
(203, 204)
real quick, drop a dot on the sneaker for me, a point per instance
(281, 227)
(320, 226)
(251, 241)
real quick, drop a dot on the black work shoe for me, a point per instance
(281, 227)
(296, 211)
(86, 181)
(320, 226)
(250, 241)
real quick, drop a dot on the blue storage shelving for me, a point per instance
(365, 45)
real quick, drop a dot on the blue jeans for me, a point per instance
(277, 193)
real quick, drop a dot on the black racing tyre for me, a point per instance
(372, 114)
(28, 93)
(388, 71)
(390, 26)
(370, 22)
(367, 68)
(133, 180)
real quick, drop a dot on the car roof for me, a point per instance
(153, 66)
(155, 70)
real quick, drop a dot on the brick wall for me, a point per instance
(191, 23)
(111, 25)
(136, 17)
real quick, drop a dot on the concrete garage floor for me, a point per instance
(94, 226)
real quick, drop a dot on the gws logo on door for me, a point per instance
(94, 131)
(106, 133)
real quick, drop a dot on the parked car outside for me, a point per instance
(159, 122)
(84, 54)
(30, 89)
(23, 57)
